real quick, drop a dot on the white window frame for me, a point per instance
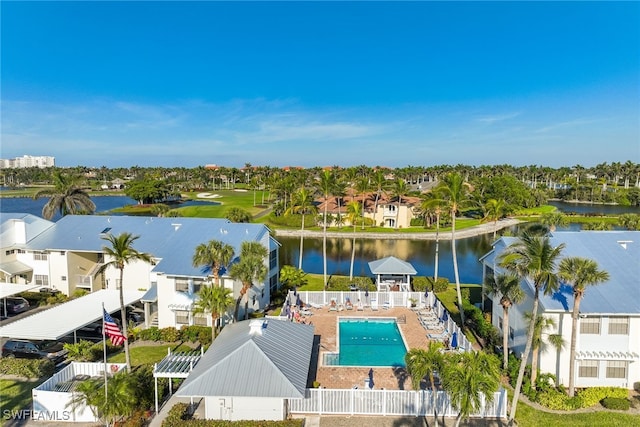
(587, 367)
(617, 369)
(618, 326)
(590, 326)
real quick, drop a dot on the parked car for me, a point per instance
(134, 314)
(14, 305)
(51, 350)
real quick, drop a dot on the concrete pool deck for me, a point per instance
(325, 324)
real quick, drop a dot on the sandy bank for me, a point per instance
(400, 235)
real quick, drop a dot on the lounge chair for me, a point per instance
(438, 337)
(359, 306)
(374, 305)
(333, 306)
(386, 305)
(348, 304)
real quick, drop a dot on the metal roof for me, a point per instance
(616, 252)
(63, 319)
(177, 365)
(254, 358)
(14, 267)
(151, 295)
(158, 236)
(9, 234)
(391, 265)
(9, 289)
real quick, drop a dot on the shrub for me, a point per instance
(592, 395)
(616, 403)
(29, 368)
(35, 298)
(441, 285)
(169, 334)
(177, 415)
(151, 334)
(191, 333)
(344, 283)
(80, 351)
(421, 283)
(553, 399)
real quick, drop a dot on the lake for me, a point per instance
(420, 253)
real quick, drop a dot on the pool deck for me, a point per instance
(325, 324)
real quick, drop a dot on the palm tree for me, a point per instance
(532, 258)
(353, 214)
(250, 268)
(362, 186)
(400, 190)
(553, 220)
(454, 191)
(494, 209)
(379, 183)
(303, 204)
(431, 201)
(580, 273)
(66, 197)
(118, 402)
(213, 256)
(507, 288)
(213, 300)
(467, 377)
(327, 183)
(541, 324)
(421, 363)
(121, 253)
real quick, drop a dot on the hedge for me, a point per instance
(344, 283)
(29, 368)
(178, 416)
(616, 403)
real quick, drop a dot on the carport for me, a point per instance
(67, 318)
(11, 289)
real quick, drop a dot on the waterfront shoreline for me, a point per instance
(400, 235)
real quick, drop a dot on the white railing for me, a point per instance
(390, 300)
(389, 402)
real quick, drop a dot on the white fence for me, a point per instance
(388, 402)
(390, 300)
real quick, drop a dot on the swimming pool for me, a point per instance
(368, 342)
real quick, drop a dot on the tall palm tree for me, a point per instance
(454, 191)
(531, 258)
(507, 288)
(250, 268)
(66, 197)
(400, 189)
(541, 324)
(493, 211)
(327, 183)
(432, 202)
(302, 204)
(379, 183)
(467, 377)
(213, 300)
(580, 273)
(362, 186)
(213, 256)
(422, 363)
(121, 252)
(353, 214)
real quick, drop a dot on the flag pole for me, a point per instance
(104, 352)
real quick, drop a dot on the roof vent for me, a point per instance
(257, 326)
(176, 226)
(624, 243)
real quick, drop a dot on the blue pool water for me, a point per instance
(370, 342)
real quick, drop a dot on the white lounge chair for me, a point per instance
(374, 305)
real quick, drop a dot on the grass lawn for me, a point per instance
(15, 395)
(148, 354)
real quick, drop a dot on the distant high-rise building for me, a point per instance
(28, 162)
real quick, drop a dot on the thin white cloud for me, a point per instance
(568, 124)
(497, 118)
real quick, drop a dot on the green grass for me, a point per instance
(15, 395)
(148, 354)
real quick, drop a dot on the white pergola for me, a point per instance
(175, 365)
(64, 319)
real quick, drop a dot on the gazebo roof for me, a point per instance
(391, 265)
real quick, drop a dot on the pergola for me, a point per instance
(175, 365)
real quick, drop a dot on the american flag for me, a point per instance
(112, 330)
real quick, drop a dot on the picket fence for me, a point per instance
(389, 403)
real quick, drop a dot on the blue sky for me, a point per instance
(321, 83)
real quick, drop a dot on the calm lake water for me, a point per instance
(420, 253)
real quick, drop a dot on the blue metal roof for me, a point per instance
(616, 252)
(170, 240)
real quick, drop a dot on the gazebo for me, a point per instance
(392, 274)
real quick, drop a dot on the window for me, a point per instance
(41, 280)
(618, 326)
(182, 285)
(616, 369)
(511, 333)
(273, 283)
(273, 259)
(40, 256)
(182, 317)
(500, 322)
(200, 319)
(590, 325)
(588, 369)
(9, 252)
(63, 278)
